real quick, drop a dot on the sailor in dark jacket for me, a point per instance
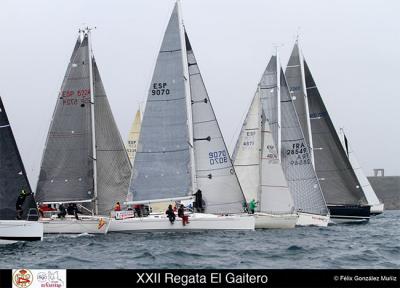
(170, 213)
(20, 201)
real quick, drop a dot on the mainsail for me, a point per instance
(13, 176)
(296, 158)
(163, 169)
(66, 172)
(71, 170)
(215, 175)
(133, 136)
(337, 178)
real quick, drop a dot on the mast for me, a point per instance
(278, 95)
(87, 32)
(187, 93)
(261, 148)
(303, 84)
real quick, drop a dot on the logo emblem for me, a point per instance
(101, 223)
(22, 278)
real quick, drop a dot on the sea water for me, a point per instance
(372, 245)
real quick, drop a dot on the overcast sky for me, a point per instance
(352, 48)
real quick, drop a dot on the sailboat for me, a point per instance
(13, 179)
(84, 159)
(341, 188)
(285, 180)
(377, 207)
(133, 136)
(181, 149)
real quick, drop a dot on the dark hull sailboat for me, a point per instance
(12, 180)
(349, 213)
(339, 183)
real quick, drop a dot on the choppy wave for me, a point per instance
(373, 245)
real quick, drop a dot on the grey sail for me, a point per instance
(275, 196)
(162, 168)
(295, 78)
(66, 172)
(296, 158)
(113, 165)
(337, 178)
(13, 176)
(215, 175)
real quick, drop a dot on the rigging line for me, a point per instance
(293, 140)
(206, 121)
(170, 51)
(158, 152)
(244, 165)
(215, 169)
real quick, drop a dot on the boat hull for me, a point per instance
(12, 231)
(308, 219)
(70, 225)
(349, 214)
(377, 209)
(275, 221)
(197, 222)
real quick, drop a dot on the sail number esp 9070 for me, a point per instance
(159, 89)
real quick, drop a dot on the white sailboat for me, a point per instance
(13, 179)
(181, 149)
(343, 193)
(258, 165)
(84, 160)
(377, 207)
(288, 180)
(133, 136)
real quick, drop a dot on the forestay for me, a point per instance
(162, 168)
(215, 175)
(66, 172)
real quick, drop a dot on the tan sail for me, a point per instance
(133, 136)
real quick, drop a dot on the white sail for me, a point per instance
(275, 194)
(215, 175)
(256, 157)
(369, 192)
(247, 154)
(133, 136)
